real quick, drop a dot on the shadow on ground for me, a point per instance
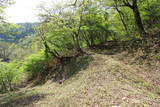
(110, 48)
(20, 99)
(71, 68)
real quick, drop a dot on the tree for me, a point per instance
(122, 16)
(42, 33)
(61, 28)
(95, 25)
(133, 4)
(5, 26)
(5, 51)
(3, 5)
(150, 13)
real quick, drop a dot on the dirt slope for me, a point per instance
(105, 81)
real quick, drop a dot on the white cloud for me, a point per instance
(23, 11)
(26, 10)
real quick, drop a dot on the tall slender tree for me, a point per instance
(133, 4)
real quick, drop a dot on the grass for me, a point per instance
(20, 98)
(98, 81)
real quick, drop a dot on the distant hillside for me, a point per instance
(24, 30)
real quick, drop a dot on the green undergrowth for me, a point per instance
(12, 74)
(33, 64)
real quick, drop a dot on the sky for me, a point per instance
(23, 11)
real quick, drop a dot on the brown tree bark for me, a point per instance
(138, 19)
(137, 16)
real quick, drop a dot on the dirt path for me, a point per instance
(106, 82)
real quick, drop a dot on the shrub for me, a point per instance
(33, 64)
(9, 74)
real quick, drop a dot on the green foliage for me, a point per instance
(33, 64)
(95, 28)
(57, 35)
(68, 28)
(13, 72)
(24, 47)
(150, 12)
(9, 75)
(6, 28)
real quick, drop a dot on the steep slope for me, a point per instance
(102, 81)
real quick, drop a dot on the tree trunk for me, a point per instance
(48, 51)
(138, 19)
(78, 47)
(121, 15)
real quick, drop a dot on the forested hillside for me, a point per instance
(82, 53)
(17, 41)
(23, 29)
